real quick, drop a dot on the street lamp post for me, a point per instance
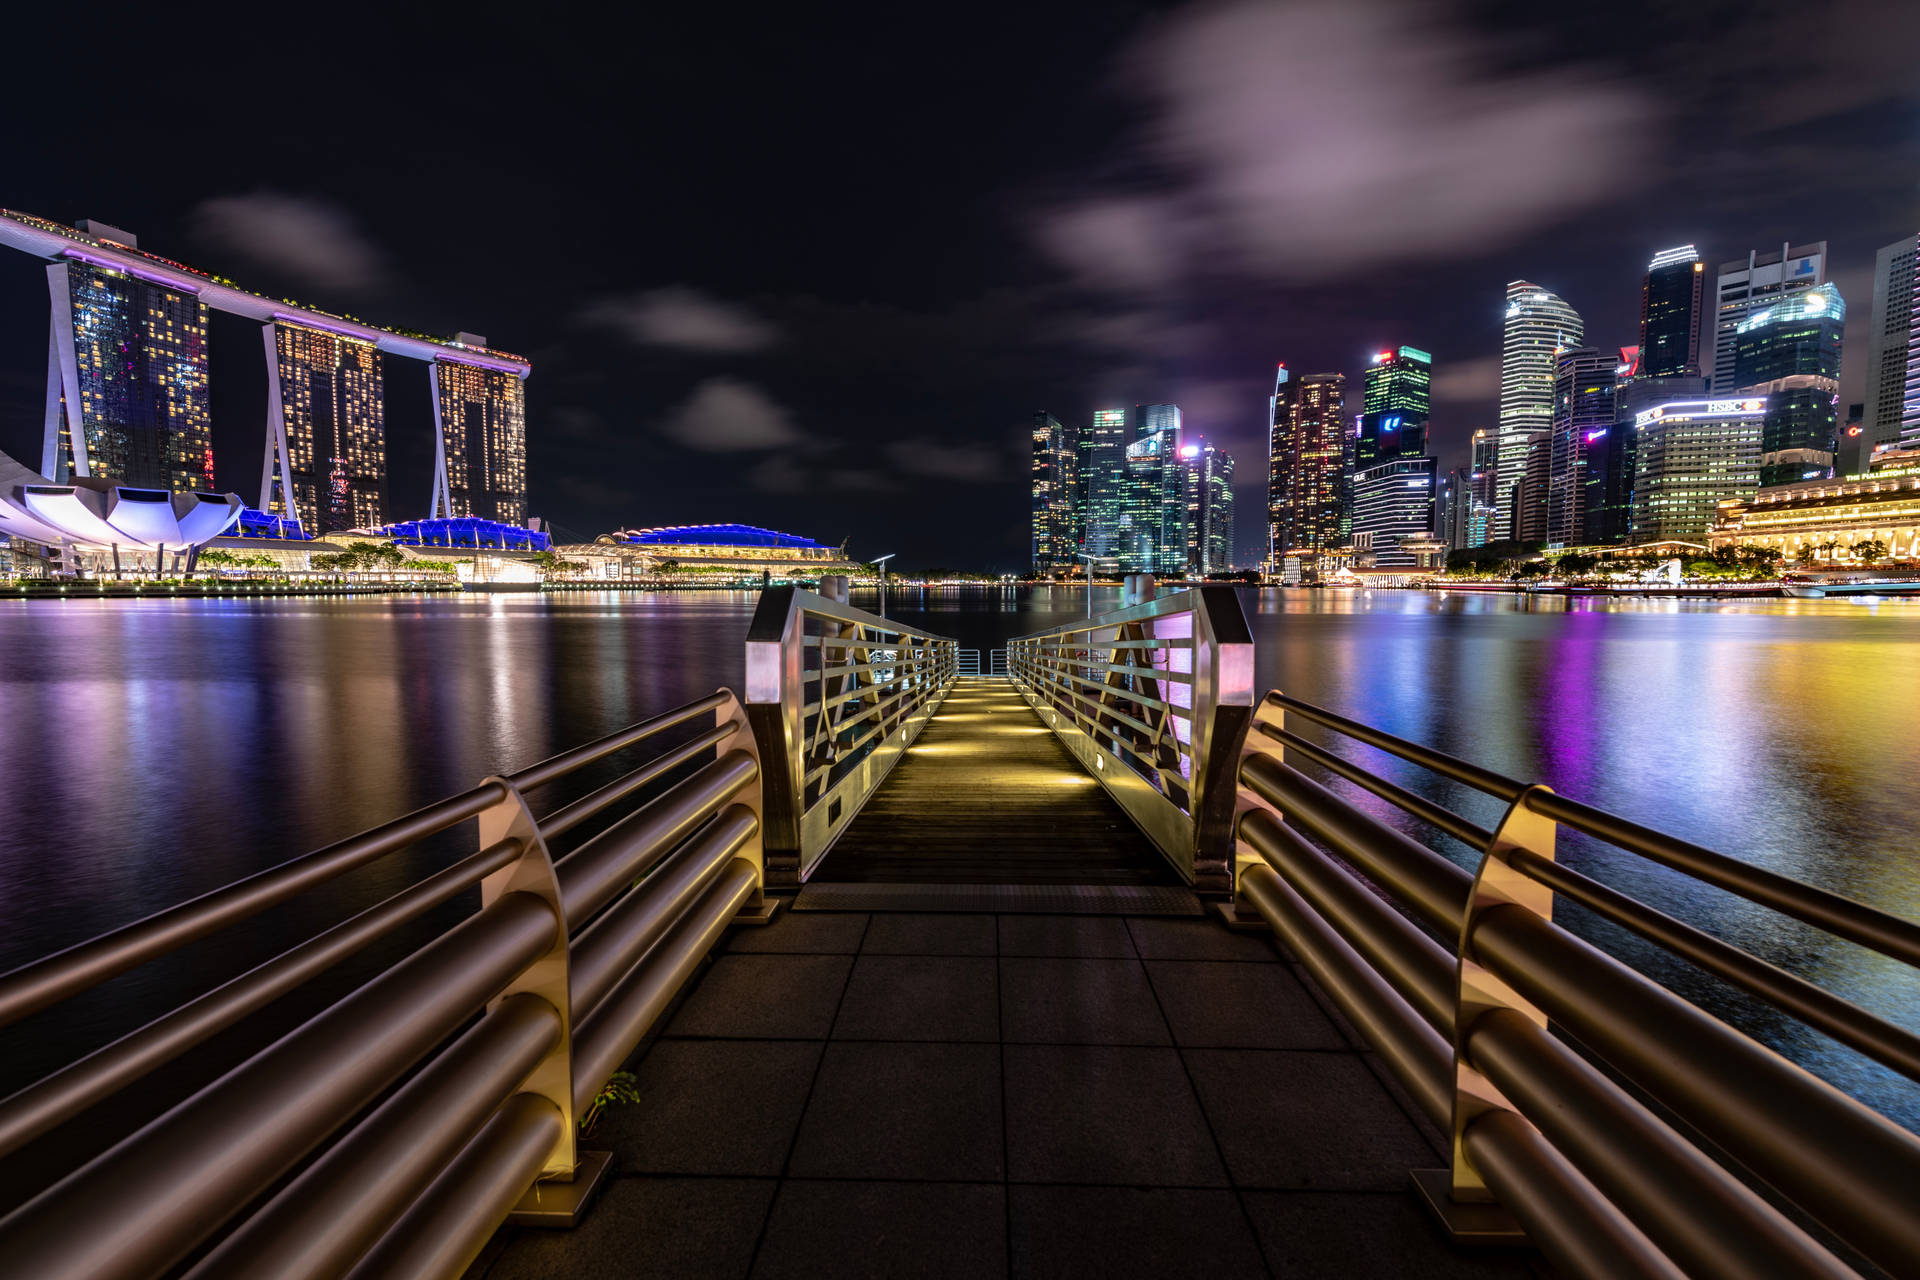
(1090, 563)
(882, 562)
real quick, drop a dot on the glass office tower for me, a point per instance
(1538, 325)
(1307, 453)
(1670, 317)
(1789, 352)
(1056, 542)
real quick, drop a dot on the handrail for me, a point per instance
(1624, 1172)
(565, 966)
(835, 695)
(1153, 699)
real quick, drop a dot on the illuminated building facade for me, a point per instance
(1209, 508)
(1538, 325)
(1825, 519)
(326, 457)
(480, 468)
(1483, 509)
(1056, 540)
(1307, 454)
(1745, 284)
(1671, 298)
(1689, 457)
(1583, 385)
(1399, 382)
(127, 381)
(1890, 344)
(1789, 351)
(1103, 482)
(1392, 501)
(1155, 537)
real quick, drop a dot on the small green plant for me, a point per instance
(620, 1090)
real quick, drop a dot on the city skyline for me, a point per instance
(835, 355)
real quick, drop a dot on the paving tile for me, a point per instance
(1064, 936)
(1309, 1121)
(1078, 1001)
(1105, 1114)
(1159, 939)
(1214, 1004)
(920, 998)
(1330, 1234)
(926, 1111)
(773, 996)
(932, 934)
(711, 1106)
(846, 1230)
(815, 932)
(1117, 1233)
(649, 1227)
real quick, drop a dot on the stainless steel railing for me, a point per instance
(835, 696)
(1647, 1163)
(1153, 699)
(486, 1042)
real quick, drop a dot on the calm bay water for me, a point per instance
(154, 750)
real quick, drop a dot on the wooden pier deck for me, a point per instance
(989, 796)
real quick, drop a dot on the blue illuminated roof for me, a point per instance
(718, 535)
(465, 531)
(260, 524)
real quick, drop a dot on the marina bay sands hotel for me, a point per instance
(127, 390)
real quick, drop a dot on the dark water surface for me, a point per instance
(154, 750)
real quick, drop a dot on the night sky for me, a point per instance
(815, 270)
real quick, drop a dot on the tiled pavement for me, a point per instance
(971, 1095)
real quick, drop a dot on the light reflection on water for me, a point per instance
(154, 750)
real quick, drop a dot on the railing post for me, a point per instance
(1465, 1204)
(548, 977)
(774, 669)
(1222, 708)
(760, 908)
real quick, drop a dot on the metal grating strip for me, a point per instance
(1038, 899)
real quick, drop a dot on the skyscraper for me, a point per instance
(1392, 500)
(1691, 456)
(1157, 489)
(1056, 543)
(1483, 505)
(1209, 508)
(1583, 379)
(1789, 352)
(1454, 508)
(1754, 281)
(1399, 382)
(1670, 315)
(326, 457)
(1103, 481)
(1308, 445)
(1538, 324)
(127, 397)
(1889, 346)
(480, 468)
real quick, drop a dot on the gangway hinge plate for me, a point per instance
(1241, 921)
(762, 914)
(561, 1205)
(1486, 1225)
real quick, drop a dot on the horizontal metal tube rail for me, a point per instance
(1578, 1229)
(1434, 888)
(141, 1206)
(567, 817)
(1842, 1162)
(1468, 833)
(1841, 916)
(1155, 642)
(446, 1227)
(40, 983)
(1423, 972)
(1412, 1049)
(556, 767)
(321, 1223)
(54, 1099)
(599, 870)
(1695, 1211)
(1874, 1036)
(612, 944)
(602, 1041)
(1065, 673)
(1494, 784)
(1106, 710)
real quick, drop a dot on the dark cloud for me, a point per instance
(311, 240)
(1306, 141)
(726, 415)
(973, 463)
(683, 319)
